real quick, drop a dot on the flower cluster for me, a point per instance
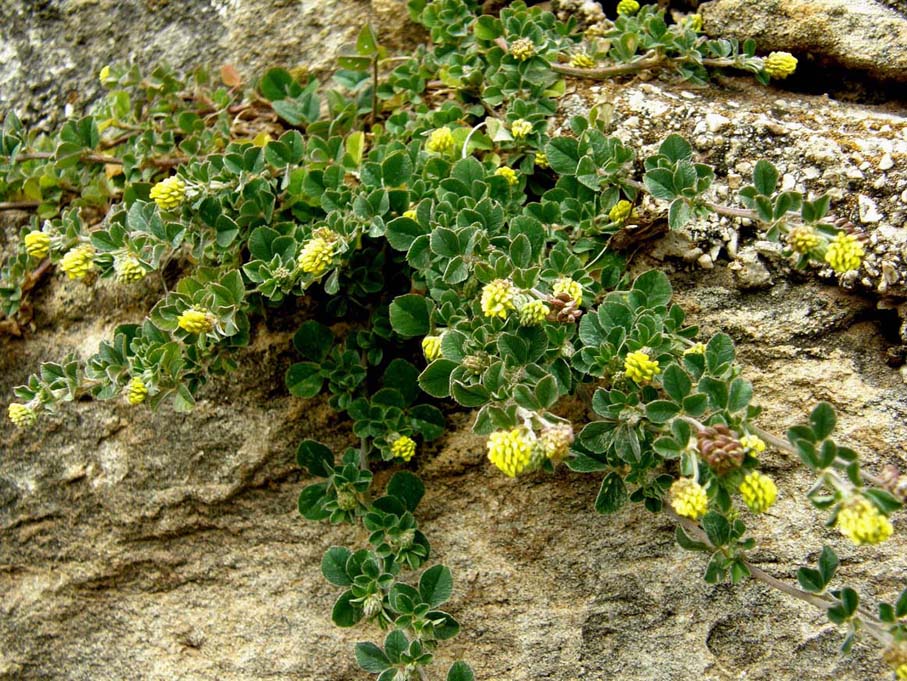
(620, 211)
(780, 64)
(541, 159)
(752, 443)
(689, 498)
(196, 321)
(403, 448)
(440, 141)
(804, 239)
(497, 298)
(695, 349)
(581, 60)
(21, 415)
(129, 269)
(510, 450)
(570, 288)
(638, 367)
(316, 255)
(860, 521)
(627, 7)
(136, 391)
(522, 49)
(508, 174)
(758, 491)
(431, 347)
(169, 194)
(37, 244)
(78, 262)
(520, 129)
(533, 313)
(844, 253)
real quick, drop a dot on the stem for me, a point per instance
(374, 89)
(19, 205)
(605, 72)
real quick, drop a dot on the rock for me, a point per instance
(855, 34)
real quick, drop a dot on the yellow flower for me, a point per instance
(411, 214)
(316, 256)
(196, 321)
(497, 298)
(860, 521)
(627, 7)
(758, 491)
(37, 244)
(581, 60)
(440, 141)
(510, 450)
(620, 211)
(753, 443)
(569, 287)
(695, 349)
(104, 75)
(78, 262)
(555, 441)
(541, 159)
(804, 239)
(403, 448)
(431, 347)
(640, 368)
(844, 253)
(780, 64)
(534, 313)
(21, 415)
(688, 498)
(136, 391)
(508, 174)
(694, 21)
(170, 193)
(522, 49)
(901, 671)
(129, 269)
(520, 129)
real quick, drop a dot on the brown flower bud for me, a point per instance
(720, 448)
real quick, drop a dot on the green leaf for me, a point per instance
(828, 564)
(811, 580)
(407, 487)
(660, 183)
(435, 380)
(371, 658)
(886, 501)
(333, 566)
(657, 287)
(612, 494)
(436, 585)
(676, 382)
(823, 420)
(716, 391)
(676, 148)
(396, 169)
(315, 457)
(765, 177)
(410, 315)
(886, 613)
(304, 379)
(563, 155)
(661, 411)
(717, 528)
(310, 500)
(345, 613)
(279, 84)
(739, 395)
(900, 608)
(719, 354)
(685, 542)
(395, 645)
(679, 213)
(367, 43)
(581, 463)
(313, 340)
(460, 671)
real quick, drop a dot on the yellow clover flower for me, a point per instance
(569, 287)
(411, 214)
(534, 313)
(694, 21)
(129, 269)
(440, 141)
(640, 368)
(695, 349)
(780, 64)
(620, 211)
(316, 256)
(758, 491)
(522, 49)
(37, 244)
(627, 7)
(22, 415)
(520, 129)
(541, 159)
(753, 443)
(431, 347)
(196, 320)
(844, 253)
(860, 521)
(510, 451)
(581, 60)
(170, 193)
(688, 498)
(403, 448)
(497, 298)
(804, 239)
(78, 262)
(508, 174)
(136, 391)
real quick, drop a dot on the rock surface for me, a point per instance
(156, 546)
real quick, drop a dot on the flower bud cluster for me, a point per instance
(403, 448)
(22, 415)
(860, 521)
(844, 253)
(37, 244)
(508, 174)
(620, 211)
(136, 391)
(129, 269)
(196, 320)
(78, 262)
(169, 194)
(520, 129)
(639, 368)
(689, 498)
(522, 49)
(440, 141)
(780, 64)
(581, 60)
(497, 298)
(317, 253)
(720, 448)
(758, 491)
(431, 347)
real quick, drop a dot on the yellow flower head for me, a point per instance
(804, 239)
(627, 7)
(896, 656)
(104, 74)
(620, 211)
(170, 193)
(541, 159)
(780, 64)
(860, 521)
(497, 298)
(316, 255)
(844, 253)
(569, 287)
(758, 491)
(129, 269)
(37, 244)
(431, 347)
(752, 443)
(508, 174)
(695, 349)
(534, 313)
(694, 21)
(510, 450)
(640, 368)
(440, 141)
(196, 320)
(688, 498)
(21, 415)
(901, 671)
(520, 129)
(136, 391)
(581, 60)
(522, 49)
(78, 262)
(403, 448)
(411, 214)
(555, 441)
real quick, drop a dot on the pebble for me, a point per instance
(886, 163)
(869, 212)
(716, 122)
